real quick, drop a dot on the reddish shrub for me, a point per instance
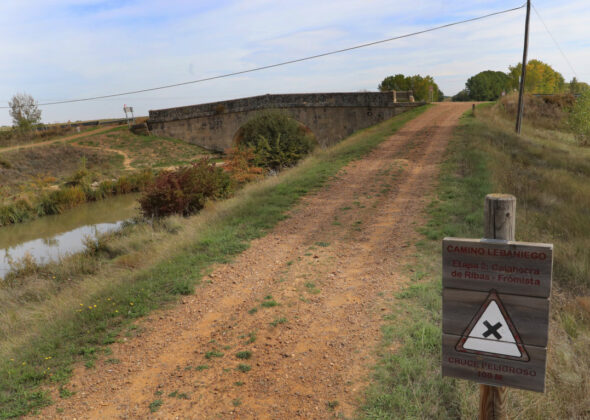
(240, 165)
(185, 190)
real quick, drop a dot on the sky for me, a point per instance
(68, 49)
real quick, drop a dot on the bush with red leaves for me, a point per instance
(185, 190)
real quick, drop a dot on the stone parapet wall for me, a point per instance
(330, 116)
(296, 100)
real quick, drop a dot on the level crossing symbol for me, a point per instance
(492, 333)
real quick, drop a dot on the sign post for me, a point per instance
(496, 308)
(129, 109)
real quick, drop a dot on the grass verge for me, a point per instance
(548, 173)
(82, 332)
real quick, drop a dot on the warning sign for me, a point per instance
(492, 332)
(496, 311)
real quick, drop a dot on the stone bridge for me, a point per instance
(330, 116)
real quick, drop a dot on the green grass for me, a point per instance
(244, 355)
(247, 218)
(244, 368)
(155, 405)
(179, 395)
(278, 321)
(213, 353)
(311, 288)
(332, 404)
(251, 337)
(269, 303)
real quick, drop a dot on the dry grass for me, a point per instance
(550, 176)
(36, 168)
(546, 112)
(145, 151)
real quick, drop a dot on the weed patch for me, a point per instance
(155, 405)
(244, 355)
(244, 368)
(278, 321)
(213, 353)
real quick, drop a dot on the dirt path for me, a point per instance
(60, 139)
(332, 267)
(126, 159)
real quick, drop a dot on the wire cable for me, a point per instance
(284, 63)
(554, 40)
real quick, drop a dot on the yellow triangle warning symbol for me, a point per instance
(492, 333)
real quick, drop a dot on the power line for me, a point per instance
(554, 40)
(284, 63)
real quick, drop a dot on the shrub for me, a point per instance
(185, 190)
(278, 141)
(240, 165)
(123, 185)
(69, 197)
(140, 180)
(541, 111)
(579, 119)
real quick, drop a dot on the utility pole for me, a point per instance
(523, 74)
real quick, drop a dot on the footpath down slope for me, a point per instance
(321, 282)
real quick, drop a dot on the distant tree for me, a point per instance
(576, 87)
(579, 118)
(462, 96)
(487, 85)
(24, 111)
(397, 82)
(420, 86)
(540, 78)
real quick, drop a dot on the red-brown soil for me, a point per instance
(332, 267)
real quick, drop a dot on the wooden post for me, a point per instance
(500, 223)
(500, 216)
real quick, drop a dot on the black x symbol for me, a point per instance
(492, 329)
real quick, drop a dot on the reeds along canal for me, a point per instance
(51, 237)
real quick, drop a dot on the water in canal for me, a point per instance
(48, 238)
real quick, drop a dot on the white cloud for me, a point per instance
(64, 49)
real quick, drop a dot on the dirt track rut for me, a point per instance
(331, 266)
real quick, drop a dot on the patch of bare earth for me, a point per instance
(331, 267)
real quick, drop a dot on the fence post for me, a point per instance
(500, 223)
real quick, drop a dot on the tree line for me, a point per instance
(541, 78)
(421, 86)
